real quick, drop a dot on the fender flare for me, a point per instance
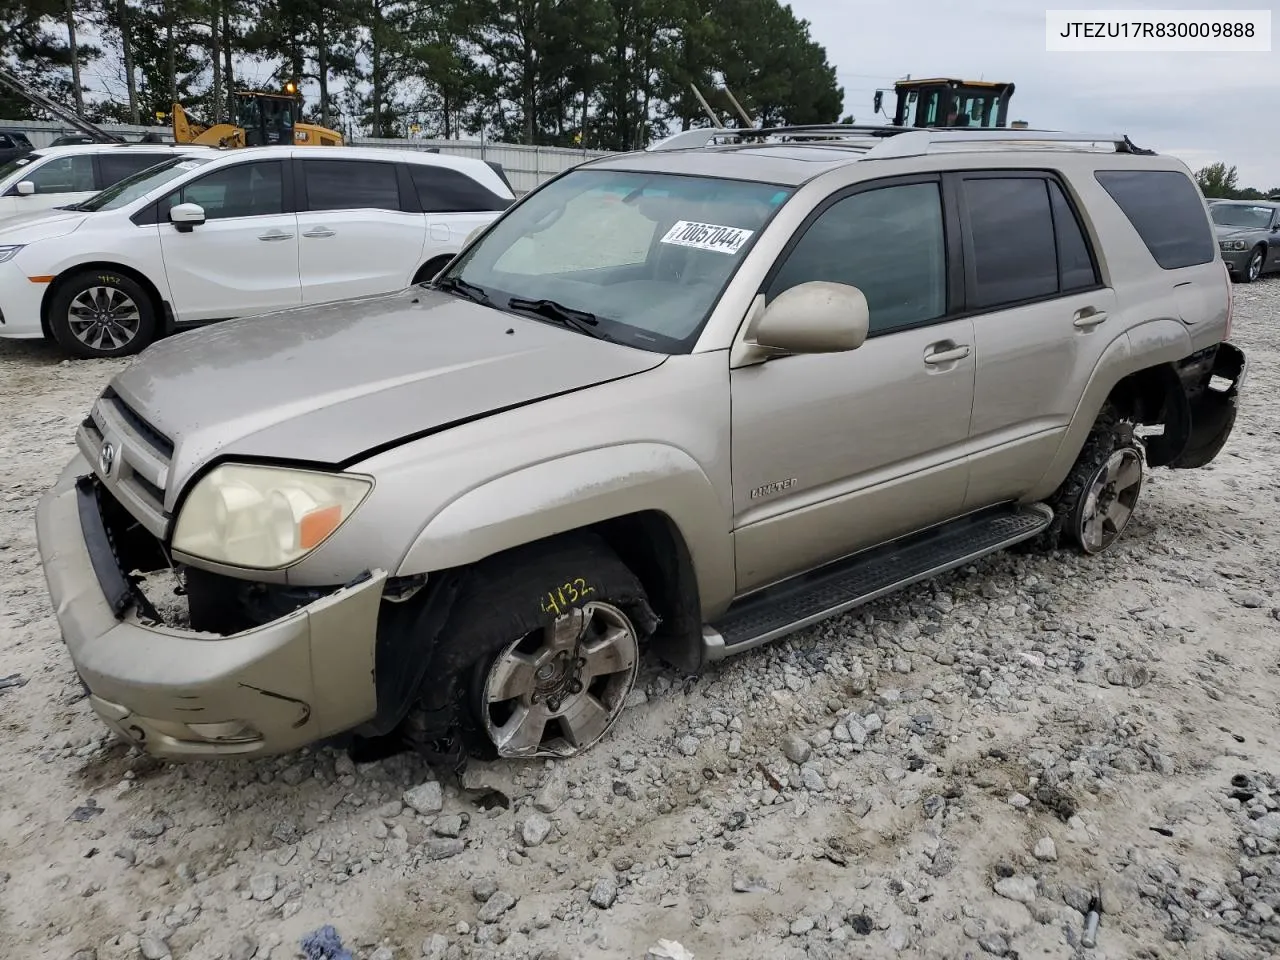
(575, 491)
(1147, 345)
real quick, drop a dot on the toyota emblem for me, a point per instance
(107, 458)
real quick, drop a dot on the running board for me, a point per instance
(840, 586)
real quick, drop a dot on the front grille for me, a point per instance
(138, 472)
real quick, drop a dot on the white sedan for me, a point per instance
(223, 234)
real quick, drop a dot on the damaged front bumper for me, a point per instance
(184, 694)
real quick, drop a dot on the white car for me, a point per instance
(62, 176)
(212, 236)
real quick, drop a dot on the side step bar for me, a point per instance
(840, 586)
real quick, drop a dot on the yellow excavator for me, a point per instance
(262, 119)
(945, 102)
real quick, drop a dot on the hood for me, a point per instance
(331, 383)
(1228, 232)
(39, 225)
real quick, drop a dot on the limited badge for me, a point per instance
(707, 236)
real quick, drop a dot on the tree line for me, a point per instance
(604, 74)
(1218, 181)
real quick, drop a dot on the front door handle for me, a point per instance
(1088, 318)
(947, 356)
(275, 235)
(319, 232)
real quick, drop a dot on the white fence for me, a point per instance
(526, 167)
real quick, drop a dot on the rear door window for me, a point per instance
(444, 190)
(1168, 212)
(115, 167)
(350, 185)
(1013, 250)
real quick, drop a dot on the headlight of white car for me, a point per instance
(265, 517)
(9, 252)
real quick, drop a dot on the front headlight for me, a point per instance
(265, 517)
(9, 252)
(1235, 245)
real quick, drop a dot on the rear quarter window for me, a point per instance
(1167, 210)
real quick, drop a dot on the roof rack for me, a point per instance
(917, 142)
(895, 141)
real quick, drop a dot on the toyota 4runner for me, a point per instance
(696, 397)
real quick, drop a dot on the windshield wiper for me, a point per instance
(72, 206)
(580, 320)
(469, 290)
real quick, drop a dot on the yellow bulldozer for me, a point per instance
(261, 119)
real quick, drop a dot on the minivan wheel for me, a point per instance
(537, 656)
(98, 314)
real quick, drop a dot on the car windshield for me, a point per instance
(140, 184)
(13, 166)
(1240, 215)
(637, 257)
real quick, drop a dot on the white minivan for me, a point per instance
(62, 176)
(233, 233)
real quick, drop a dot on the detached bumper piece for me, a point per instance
(1212, 397)
(180, 693)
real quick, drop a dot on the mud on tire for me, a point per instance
(1111, 433)
(509, 597)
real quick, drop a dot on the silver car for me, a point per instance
(1249, 236)
(690, 400)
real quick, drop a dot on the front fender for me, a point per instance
(578, 490)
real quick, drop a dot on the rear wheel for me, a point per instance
(1094, 505)
(96, 314)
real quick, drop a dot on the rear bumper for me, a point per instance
(1213, 392)
(180, 694)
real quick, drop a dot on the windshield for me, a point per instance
(1240, 215)
(129, 189)
(647, 254)
(13, 166)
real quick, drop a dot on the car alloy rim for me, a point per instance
(1110, 500)
(104, 318)
(557, 691)
(1255, 265)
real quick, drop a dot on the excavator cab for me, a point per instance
(268, 119)
(944, 102)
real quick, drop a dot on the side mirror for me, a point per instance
(814, 317)
(26, 188)
(186, 216)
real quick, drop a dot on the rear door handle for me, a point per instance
(275, 235)
(1087, 318)
(319, 232)
(947, 356)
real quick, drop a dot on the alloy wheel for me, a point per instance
(1110, 500)
(104, 318)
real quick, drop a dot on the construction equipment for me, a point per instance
(261, 119)
(945, 102)
(69, 117)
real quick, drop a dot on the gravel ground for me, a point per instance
(956, 771)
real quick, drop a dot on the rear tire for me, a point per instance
(97, 314)
(1094, 505)
(541, 640)
(427, 272)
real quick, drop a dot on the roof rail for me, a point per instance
(916, 142)
(896, 141)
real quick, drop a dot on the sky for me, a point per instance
(1199, 107)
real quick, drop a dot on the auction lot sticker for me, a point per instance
(707, 236)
